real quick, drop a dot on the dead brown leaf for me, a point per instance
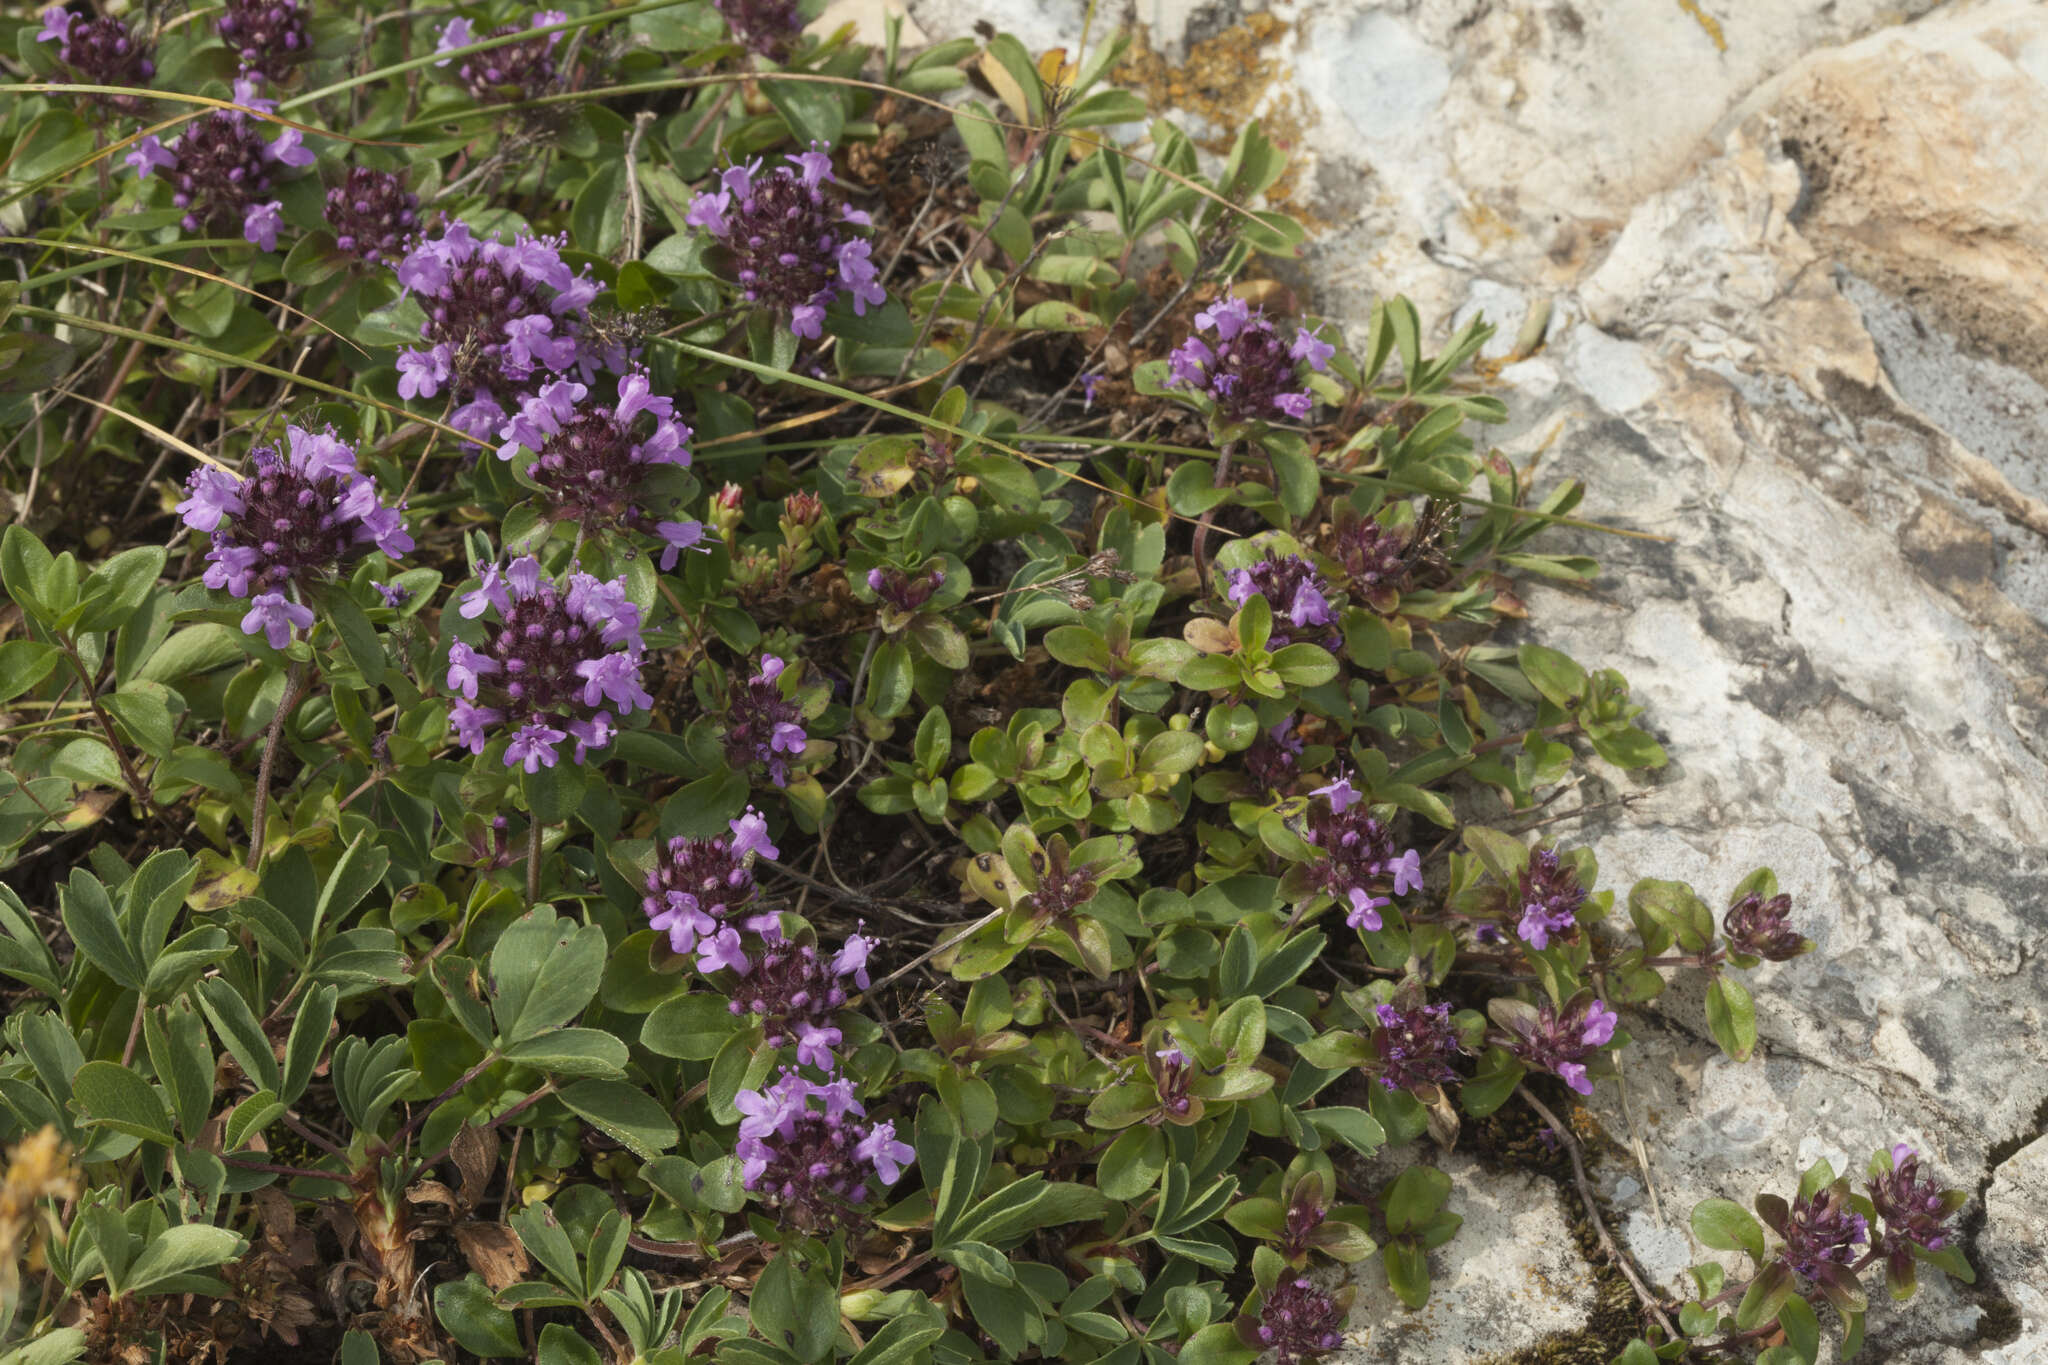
(494, 1252)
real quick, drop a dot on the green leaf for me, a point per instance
(814, 112)
(115, 1097)
(307, 1041)
(981, 1260)
(1731, 1015)
(1503, 854)
(941, 641)
(571, 1052)
(24, 954)
(1766, 1295)
(1407, 1271)
(58, 1347)
(180, 1251)
(182, 1056)
(1414, 1198)
(890, 678)
(795, 1306)
(1802, 1328)
(901, 1340)
(623, 1112)
(315, 258)
(89, 918)
(23, 664)
(1305, 665)
(195, 649)
(541, 1232)
(544, 970)
(691, 1027)
(1675, 907)
(1555, 675)
(1079, 647)
(1637, 1352)
(1353, 1127)
(559, 1345)
(1628, 747)
(467, 1311)
(1240, 959)
(1216, 1344)
(1725, 1225)
(1132, 1164)
(26, 570)
(1006, 1314)
(251, 1117)
(235, 1024)
(552, 794)
(116, 588)
(31, 362)
(358, 637)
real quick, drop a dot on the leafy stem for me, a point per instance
(129, 773)
(1615, 1254)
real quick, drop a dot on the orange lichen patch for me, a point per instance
(1707, 22)
(1224, 77)
(1487, 224)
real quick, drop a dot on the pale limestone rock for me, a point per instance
(1797, 261)
(870, 22)
(1481, 1302)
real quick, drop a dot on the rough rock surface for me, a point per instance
(1796, 257)
(1481, 1304)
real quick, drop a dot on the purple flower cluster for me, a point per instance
(1550, 896)
(797, 995)
(1546, 1039)
(1915, 1211)
(1822, 1232)
(591, 460)
(560, 662)
(294, 519)
(1374, 560)
(508, 74)
(765, 27)
(500, 317)
(699, 886)
(1358, 856)
(1762, 928)
(809, 1150)
(761, 724)
(903, 591)
(102, 51)
(1415, 1046)
(788, 239)
(268, 37)
(1298, 1322)
(1299, 597)
(373, 214)
(1251, 371)
(1274, 755)
(220, 170)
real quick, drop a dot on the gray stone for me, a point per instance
(1822, 396)
(1480, 1302)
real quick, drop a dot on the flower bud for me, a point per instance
(801, 513)
(1759, 928)
(725, 509)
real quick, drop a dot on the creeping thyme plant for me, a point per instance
(674, 688)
